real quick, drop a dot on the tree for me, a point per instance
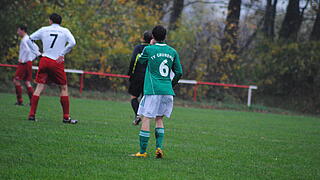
(291, 23)
(227, 53)
(157, 5)
(176, 13)
(229, 42)
(315, 34)
(269, 18)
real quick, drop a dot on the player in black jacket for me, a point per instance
(136, 73)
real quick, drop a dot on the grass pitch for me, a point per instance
(199, 144)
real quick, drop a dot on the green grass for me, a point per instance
(199, 144)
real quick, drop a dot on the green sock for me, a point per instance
(159, 137)
(144, 138)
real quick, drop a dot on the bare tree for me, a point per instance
(229, 42)
(269, 18)
(175, 13)
(292, 20)
(315, 34)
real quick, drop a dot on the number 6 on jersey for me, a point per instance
(164, 69)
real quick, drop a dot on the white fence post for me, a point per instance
(250, 94)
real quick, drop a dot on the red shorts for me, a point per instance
(24, 71)
(51, 71)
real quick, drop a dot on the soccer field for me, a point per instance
(199, 144)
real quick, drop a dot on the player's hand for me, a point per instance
(153, 41)
(60, 59)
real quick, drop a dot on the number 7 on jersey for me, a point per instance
(54, 40)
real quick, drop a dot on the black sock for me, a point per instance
(135, 105)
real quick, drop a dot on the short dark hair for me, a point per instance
(23, 27)
(147, 37)
(159, 33)
(55, 18)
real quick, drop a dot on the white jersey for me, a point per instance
(54, 39)
(25, 53)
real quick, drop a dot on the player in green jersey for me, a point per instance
(157, 101)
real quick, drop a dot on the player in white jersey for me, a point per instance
(24, 69)
(57, 41)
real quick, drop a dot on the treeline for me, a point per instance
(251, 43)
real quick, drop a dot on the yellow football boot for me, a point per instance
(159, 153)
(138, 154)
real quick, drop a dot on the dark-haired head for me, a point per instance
(159, 33)
(23, 28)
(55, 18)
(147, 36)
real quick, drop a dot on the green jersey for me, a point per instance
(161, 60)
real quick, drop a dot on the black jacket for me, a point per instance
(137, 69)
